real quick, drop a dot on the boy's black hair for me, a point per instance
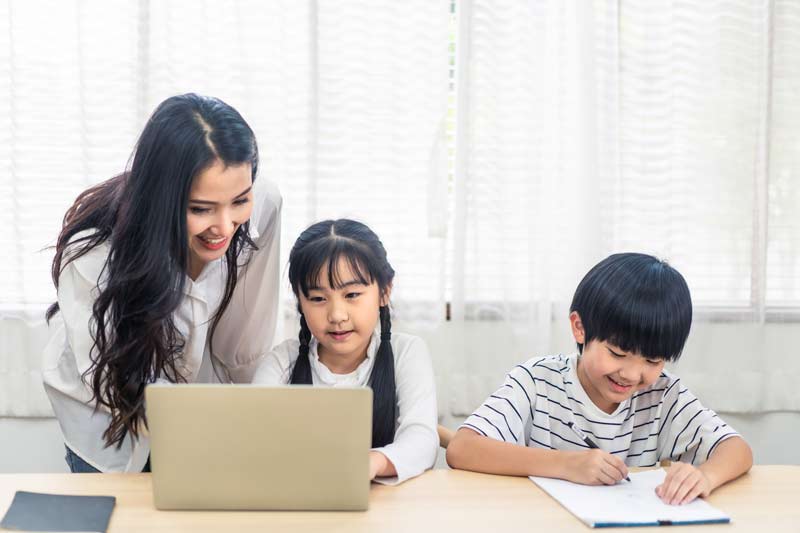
(319, 247)
(636, 302)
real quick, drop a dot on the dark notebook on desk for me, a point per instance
(31, 511)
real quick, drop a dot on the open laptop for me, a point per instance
(251, 447)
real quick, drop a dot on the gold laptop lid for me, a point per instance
(254, 447)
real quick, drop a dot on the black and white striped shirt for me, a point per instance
(541, 396)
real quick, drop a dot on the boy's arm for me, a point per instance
(731, 458)
(470, 451)
(684, 482)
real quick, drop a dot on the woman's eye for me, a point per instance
(241, 201)
(199, 210)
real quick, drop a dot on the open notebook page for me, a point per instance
(625, 504)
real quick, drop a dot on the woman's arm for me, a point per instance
(247, 328)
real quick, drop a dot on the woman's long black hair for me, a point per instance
(323, 245)
(141, 214)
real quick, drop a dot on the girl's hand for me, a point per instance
(683, 484)
(377, 462)
(594, 467)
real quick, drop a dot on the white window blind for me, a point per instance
(783, 250)
(348, 101)
(583, 129)
(658, 126)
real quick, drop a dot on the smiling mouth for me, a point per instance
(215, 243)
(340, 335)
(619, 387)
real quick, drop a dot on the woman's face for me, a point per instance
(220, 200)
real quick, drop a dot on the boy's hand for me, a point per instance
(683, 484)
(594, 467)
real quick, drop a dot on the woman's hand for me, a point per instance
(683, 484)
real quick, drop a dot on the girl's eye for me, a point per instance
(352, 295)
(316, 299)
(199, 210)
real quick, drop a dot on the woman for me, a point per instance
(159, 279)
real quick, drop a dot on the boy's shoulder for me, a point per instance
(550, 363)
(552, 369)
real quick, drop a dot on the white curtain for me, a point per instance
(348, 100)
(668, 127)
(568, 130)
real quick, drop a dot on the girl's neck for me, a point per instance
(341, 363)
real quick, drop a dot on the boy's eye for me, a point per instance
(199, 210)
(653, 361)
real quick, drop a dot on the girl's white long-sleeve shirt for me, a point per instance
(416, 441)
(245, 332)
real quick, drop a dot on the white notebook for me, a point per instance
(628, 504)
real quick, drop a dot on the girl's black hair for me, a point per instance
(322, 246)
(142, 215)
(637, 303)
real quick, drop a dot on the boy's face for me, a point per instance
(610, 375)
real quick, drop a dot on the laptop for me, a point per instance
(252, 447)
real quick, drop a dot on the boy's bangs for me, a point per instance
(328, 256)
(653, 330)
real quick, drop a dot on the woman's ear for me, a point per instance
(387, 293)
(577, 327)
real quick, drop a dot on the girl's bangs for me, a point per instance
(344, 261)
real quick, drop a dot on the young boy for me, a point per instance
(629, 315)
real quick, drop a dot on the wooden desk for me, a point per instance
(767, 500)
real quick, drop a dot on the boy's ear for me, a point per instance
(577, 327)
(387, 293)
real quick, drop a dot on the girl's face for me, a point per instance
(220, 200)
(610, 375)
(342, 319)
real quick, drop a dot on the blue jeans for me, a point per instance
(79, 466)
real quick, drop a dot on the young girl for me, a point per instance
(630, 314)
(151, 268)
(342, 280)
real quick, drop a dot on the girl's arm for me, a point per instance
(246, 330)
(470, 451)
(416, 441)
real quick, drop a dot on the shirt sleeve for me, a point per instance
(273, 369)
(689, 432)
(416, 441)
(506, 415)
(77, 292)
(247, 327)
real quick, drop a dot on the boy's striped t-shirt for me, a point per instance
(541, 396)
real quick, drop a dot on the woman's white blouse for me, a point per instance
(416, 441)
(245, 332)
